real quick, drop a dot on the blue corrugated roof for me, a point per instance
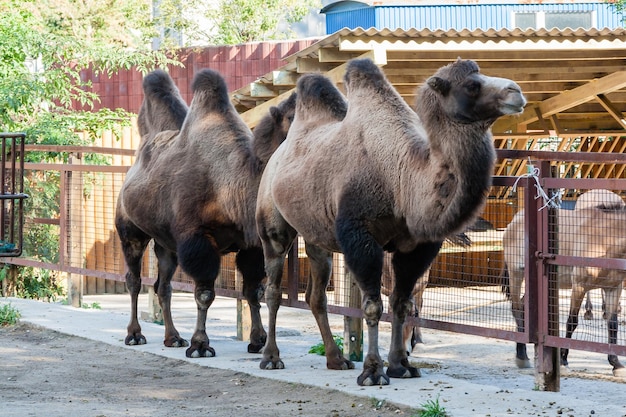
(420, 15)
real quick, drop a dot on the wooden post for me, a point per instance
(154, 313)
(244, 322)
(349, 295)
(75, 239)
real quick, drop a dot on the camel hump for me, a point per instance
(317, 94)
(209, 89)
(162, 108)
(362, 72)
(158, 83)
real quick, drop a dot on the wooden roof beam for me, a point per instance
(253, 116)
(613, 111)
(572, 98)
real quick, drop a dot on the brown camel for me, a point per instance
(370, 175)
(594, 230)
(194, 192)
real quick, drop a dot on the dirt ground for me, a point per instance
(65, 361)
(44, 372)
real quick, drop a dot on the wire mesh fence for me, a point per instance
(74, 233)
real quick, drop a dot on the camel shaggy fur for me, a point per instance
(370, 175)
(192, 190)
(595, 229)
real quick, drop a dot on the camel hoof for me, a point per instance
(269, 365)
(523, 363)
(588, 315)
(207, 352)
(341, 364)
(404, 372)
(619, 372)
(176, 342)
(372, 380)
(135, 340)
(255, 348)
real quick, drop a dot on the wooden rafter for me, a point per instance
(572, 98)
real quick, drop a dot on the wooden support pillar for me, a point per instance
(244, 321)
(154, 313)
(75, 239)
(350, 295)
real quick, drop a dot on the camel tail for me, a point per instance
(506, 282)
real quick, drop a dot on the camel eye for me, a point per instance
(472, 88)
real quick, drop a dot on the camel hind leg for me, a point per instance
(167, 263)
(250, 263)
(134, 243)
(612, 297)
(578, 293)
(408, 268)
(515, 279)
(321, 268)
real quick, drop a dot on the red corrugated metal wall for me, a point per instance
(239, 64)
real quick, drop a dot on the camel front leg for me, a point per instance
(134, 243)
(321, 268)
(364, 258)
(273, 294)
(277, 241)
(200, 260)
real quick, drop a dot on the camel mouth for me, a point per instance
(512, 108)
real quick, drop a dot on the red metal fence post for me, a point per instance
(547, 366)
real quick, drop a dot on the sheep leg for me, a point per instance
(134, 243)
(321, 268)
(201, 261)
(167, 263)
(408, 268)
(250, 264)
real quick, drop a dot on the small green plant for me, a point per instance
(9, 315)
(93, 306)
(376, 403)
(319, 349)
(432, 408)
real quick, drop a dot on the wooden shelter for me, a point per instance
(574, 80)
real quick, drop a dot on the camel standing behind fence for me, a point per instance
(592, 230)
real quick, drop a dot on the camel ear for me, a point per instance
(439, 85)
(276, 114)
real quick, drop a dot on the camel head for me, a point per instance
(273, 128)
(467, 96)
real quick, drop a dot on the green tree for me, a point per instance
(618, 5)
(44, 46)
(240, 21)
